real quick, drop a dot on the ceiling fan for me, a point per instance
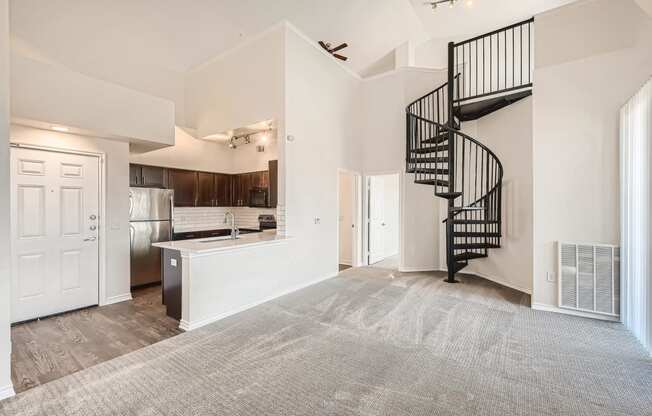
(327, 47)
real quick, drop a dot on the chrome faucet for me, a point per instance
(234, 229)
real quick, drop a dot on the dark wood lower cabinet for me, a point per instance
(171, 269)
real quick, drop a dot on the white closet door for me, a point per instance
(376, 219)
(54, 220)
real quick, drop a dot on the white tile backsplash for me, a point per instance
(281, 215)
(212, 218)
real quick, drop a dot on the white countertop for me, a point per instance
(215, 244)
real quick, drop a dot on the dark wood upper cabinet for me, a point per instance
(184, 184)
(147, 176)
(242, 183)
(260, 179)
(135, 175)
(223, 190)
(154, 177)
(206, 191)
(273, 183)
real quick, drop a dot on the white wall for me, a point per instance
(187, 153)
(191, 153)
(646, 5)
(321, 108)
(508, 133)
(382, 137)
(117, 196)
(238, 88)
(591, 57)
(282, 75)
(51, 93)
(6, 389)
(346, 212)
(245, 158)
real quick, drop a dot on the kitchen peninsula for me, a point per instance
(208, 279)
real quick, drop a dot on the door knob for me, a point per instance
(90, 239)
(93, 227)
(93, 217)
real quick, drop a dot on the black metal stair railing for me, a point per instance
(471, 181)
(463, 170)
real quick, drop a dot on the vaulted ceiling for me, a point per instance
(473, 17)
(175, 35)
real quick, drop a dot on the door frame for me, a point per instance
(357, 244)
(365, 215)
(101, 160)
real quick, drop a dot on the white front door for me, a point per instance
(376, 197)
(54, 229)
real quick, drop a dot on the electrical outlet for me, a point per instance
(317, 220)
(550, 276)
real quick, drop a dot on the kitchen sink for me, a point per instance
(212, 240)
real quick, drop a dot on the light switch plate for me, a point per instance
(550, 276)
(173, 262)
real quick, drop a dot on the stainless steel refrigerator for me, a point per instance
(150, 221)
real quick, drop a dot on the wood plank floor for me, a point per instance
(54, 347)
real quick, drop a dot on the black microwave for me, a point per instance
(258, 197)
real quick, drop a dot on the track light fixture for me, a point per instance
(436, 3)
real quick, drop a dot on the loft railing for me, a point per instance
(497, 62)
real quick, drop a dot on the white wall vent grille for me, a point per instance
(589, 278)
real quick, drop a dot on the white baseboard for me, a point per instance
(495, 279)
(7, 392)
(189, 326)
(417, 269)
(551, 308)
(117, 299)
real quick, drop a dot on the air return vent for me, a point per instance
(589, 278)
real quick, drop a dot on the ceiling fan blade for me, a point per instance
(342, 46)
(323, 45)
(338, 56)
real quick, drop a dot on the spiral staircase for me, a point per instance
(485, 74)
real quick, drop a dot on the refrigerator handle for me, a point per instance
(132, 231)
(131, 204)
(171, 216)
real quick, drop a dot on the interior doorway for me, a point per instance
(55, 213)
(350, 212)
(383, 220)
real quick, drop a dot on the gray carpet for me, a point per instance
(369, 344)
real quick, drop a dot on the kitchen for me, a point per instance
(236, 200)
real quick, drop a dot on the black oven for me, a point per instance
(258, 197)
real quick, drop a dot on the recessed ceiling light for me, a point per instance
(61, 129)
